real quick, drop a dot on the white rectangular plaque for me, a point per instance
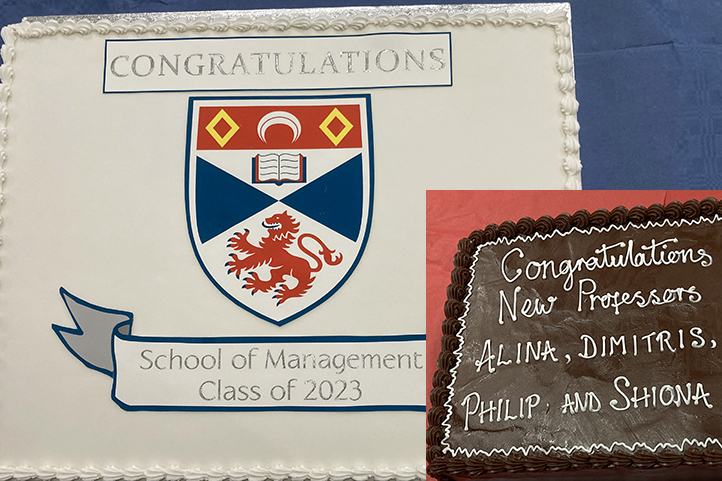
(279, 63)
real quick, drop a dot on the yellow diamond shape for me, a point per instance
(211, 128)
(347, 126)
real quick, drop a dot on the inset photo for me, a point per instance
(571, 330)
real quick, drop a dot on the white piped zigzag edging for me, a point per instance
(175, 473)
(7, 53)
(338, 20)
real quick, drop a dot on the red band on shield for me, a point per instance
(285, 127)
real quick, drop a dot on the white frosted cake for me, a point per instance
(213, 227)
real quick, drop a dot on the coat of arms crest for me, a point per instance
(279, 197)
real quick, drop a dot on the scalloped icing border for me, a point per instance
(173, 473)
(557, 449)
(556, 16)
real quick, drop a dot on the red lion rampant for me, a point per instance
(272, 250)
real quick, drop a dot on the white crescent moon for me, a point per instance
(276, 118)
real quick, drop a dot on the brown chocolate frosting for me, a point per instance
(443, 465)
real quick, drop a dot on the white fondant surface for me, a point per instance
(94, 203)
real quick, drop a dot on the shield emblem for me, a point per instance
(279, 197)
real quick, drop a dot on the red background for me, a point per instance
(279, 136)
(452, 215)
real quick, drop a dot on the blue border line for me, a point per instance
(273, 339)
(451, 63)
(294, 89)
(360, 253)
(105, 64)
(370, 408)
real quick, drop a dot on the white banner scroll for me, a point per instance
(309, 373)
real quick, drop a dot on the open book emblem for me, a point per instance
(279, 168)
(279, 197)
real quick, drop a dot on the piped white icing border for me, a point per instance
(7, 54)
(568, 450)
(173, 473)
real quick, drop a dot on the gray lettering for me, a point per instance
(328, 61)
(112, 66)
(349, 59)
(164, 61)
(408, 55)
(303, 64)
(260, 61)
(134, 65)
(278, 63)
(187, 67)
(378, 60)
(239, 63)
(215, 65)
(434, 56)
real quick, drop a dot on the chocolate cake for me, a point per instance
(583, 341)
